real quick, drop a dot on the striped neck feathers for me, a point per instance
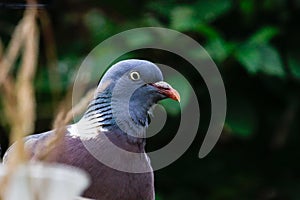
(100, 116)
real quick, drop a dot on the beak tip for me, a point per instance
(167, 90)
(175, 95)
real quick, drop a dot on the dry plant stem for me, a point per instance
(59, 127)
(61, 121)
(50, 53)
(1, 50)
(50, 144)
(25, 101)
(18, 98)
(9, 100)
(24, 82)
(81, 106)
(13, 50)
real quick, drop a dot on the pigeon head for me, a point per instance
(125, 95)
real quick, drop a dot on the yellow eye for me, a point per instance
(134, 76)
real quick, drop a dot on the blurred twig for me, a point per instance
(1, 49)
(18, 93)
(63, 118)
(285, 123)
(23, 105)
(13, 50)
(51, 58)
(24, 81)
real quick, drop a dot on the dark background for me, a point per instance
(255, 45)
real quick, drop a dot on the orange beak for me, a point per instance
(167, 90)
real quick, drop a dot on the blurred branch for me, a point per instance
(18, 94)
(13, 50)
(63, 118)
(24, 81)
(1, 49)
(9, 99)
(50, 52)
(285, 124)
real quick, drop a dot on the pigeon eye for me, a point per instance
(134, 76)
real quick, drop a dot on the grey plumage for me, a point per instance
(118, 113)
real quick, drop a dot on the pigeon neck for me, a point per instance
(100, 116)
(99, 112)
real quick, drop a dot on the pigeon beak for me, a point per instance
(167, 90)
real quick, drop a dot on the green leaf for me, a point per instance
(162, 7)
(183, 18)
(257, 55)
(189, 18)
(94, 20)
(210, 10)
(250, 57)
(219, 49)
(140, 38)
(208, 31)
(260, 58)
(264, 35)
(271, 61)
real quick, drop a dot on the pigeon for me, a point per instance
(108, 142)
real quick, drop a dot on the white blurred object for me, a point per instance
(82, 198)
(44, 182)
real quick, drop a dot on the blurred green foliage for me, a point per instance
(254, 43)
